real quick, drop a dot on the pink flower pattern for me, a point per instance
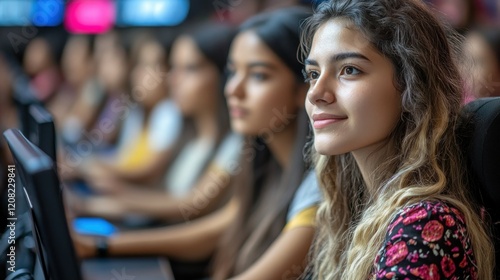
(427, 240)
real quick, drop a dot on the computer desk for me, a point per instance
(151, 268)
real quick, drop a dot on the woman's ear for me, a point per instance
(301, 93)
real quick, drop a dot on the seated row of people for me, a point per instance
(381, 183)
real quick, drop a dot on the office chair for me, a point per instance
(480, 141)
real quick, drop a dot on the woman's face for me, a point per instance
(194, 81)
(263, 94)
(111, 69)
(76, 61)
(37, 56)
(352, 102)
(148, 75)
(486, 70)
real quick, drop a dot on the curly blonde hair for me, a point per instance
(425, 163)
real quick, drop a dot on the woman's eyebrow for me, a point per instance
(338, 57)
(260, 64)
(310, 61)
(342, 56)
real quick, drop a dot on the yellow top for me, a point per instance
(305, 218)
(137, 154)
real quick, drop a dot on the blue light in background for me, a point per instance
(151, 12)
(31, 12)
(47, 12)
(15, 12)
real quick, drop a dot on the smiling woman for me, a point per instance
(350, 83)
(384, 100)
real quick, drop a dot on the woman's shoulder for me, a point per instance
(424, 237)
(227, 156)
(307, 195)
(428, 210)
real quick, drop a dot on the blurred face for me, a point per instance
(262, 92)
(5, 81)
(148, 76)
(352, 102)
(455, 11)
(76, 61)
(112, 69)
(194, 81)
(37, 56)
(486, 70)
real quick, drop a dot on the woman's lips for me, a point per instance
(324, 120)
(238, 112)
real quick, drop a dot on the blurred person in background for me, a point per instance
(460, 14)
(237, 12)
(80, 100)
(265, 231)
(40, 64)
(488, 12)
(276, 193)
(111, 71)
(75, 67)
(151, 125)
(200, 157)
(8, 112)
(8, 119)
(483, 45)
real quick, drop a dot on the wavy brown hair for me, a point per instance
(425, 163)
(265, 189)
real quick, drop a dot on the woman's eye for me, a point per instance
(310, 75)
(229, 72)
(350, 70)
(192, 68)
(259, 76)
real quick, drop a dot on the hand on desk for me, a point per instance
(85, 246)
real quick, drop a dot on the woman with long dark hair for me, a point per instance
(384, 100)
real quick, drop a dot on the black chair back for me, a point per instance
(480, 131)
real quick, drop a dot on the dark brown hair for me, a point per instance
(264, 189)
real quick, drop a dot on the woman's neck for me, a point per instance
(369, 159)
(281, 143)
(206, 126)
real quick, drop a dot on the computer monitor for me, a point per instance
(23, 97)
(41, 130)
(37, 174)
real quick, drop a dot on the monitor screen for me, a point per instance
(41, 130)
(50, 228)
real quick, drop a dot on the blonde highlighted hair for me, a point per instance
(425, 163)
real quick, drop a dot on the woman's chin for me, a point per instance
(328, 149)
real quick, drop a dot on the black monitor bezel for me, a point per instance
(41, 184)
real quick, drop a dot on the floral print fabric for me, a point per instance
(428, 241)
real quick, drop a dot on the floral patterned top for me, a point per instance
(427, 240)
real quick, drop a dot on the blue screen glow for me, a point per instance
(151, 12)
